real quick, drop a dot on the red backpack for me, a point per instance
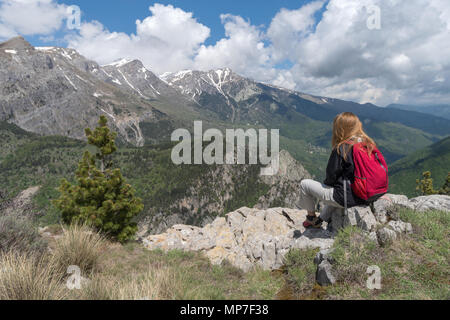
(371, 173)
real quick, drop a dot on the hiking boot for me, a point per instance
(313, 222)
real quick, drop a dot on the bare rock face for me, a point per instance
(245, 237)
(324, 274)
(56, 91)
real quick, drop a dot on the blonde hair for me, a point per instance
(346, 127)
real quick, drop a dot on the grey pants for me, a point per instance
(311, 192)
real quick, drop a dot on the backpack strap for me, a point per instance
(345, 196)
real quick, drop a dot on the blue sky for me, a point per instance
(373, 51)
(121, 15)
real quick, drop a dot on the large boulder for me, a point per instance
(434, 202)
(357, 216)
(245, 237)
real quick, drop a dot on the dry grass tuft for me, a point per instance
(78, 246)
(155, 284)
(28, 277)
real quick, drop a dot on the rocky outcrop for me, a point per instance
(434, 202)
(261, 237)
(246, 237)
(21, 204)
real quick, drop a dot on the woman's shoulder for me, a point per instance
(344, 148)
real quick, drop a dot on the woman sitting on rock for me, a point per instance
(339, 188)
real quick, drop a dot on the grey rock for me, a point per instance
(56, 91)
(387, 206)
(380, 209)
(246, 237)
(400, 227)
(357, 216)
(324, 274)
(398, 199)
(434, 202)
(386, 236)
(372, 236)
(364, 217)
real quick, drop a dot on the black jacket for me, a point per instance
(337, 170)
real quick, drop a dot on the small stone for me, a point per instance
(400, 226)
(372, 236)
(386, 236)
(324, 274)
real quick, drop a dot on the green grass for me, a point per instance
(196, 278)
(415, 266)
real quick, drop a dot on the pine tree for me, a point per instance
(425, 186)
(100, 196)
(446, 187)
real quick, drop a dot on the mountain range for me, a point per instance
(56, 91)
(53, 91)
(440, 110)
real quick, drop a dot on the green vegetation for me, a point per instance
(426, 188)
(28, 160)
(413, 267)
(100, 196)
(404, 173)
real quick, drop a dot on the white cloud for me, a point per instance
(394, 64)
(165, 41)
(242, 50)
(288, 27)
(30, 17)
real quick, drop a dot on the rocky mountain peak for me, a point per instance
(122, 62)
(16, 43)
